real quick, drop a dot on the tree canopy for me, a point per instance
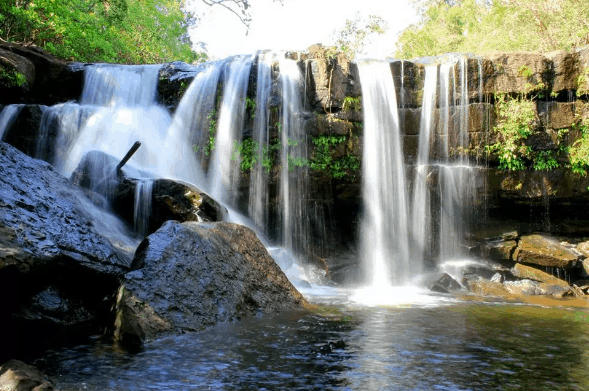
(118, 31)
(357, 32)
(483, 25)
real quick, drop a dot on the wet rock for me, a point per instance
(192, 275)
(445, 284)
(533, 288)
(17, 77)
(24, 132)
(330, 346)
(17, 376)
(497, 277)
(583, 248)
(523, 271)
(487, 288)
(506, 75)
(55, 80)
(175, 200)
(499, 250)
(60, 257)
(170, 200)
(174, 80)
(544, 251)
(96, 171)
(522, 287)
(485, 269)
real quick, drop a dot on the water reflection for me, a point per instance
(457, 347)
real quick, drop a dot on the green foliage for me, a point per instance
(351, 104)
(582, 83)
(525, 71)
(12, 77)
(531, 86)
(117, 31)
(323, 159)
(250, 153)
(210, 146)
(579, 151)
(514, 125)
(506, 25)
(269, 154)
(352, 38)
(246, 150)
(250, 107)
(545, 161)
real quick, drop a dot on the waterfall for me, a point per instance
(421, 213)
(457, 179)
(258, 194)
(293, 182)
(191, 123)
(223, 173)
(385, 242)
(123, 101)
(443, 180)
(7, 117)
(142, 206)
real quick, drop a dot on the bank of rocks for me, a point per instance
(512, 265)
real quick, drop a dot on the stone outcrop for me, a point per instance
(544, 251)
(60, 257)
(17, 376)
(527, 272)
(188, 276)
(48, 80)
(170, 200)
(175, 77)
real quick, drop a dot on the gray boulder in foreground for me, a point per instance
(192, 275)
(17, 376)
(61, 258)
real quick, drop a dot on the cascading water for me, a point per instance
(456, 178)
(191, 123)
(223, 172)
(420, 216)
(142, 206)
(385, 240)
(7, 117)
(436, 225)
(130, 115)
(258, 194)
(293, 184)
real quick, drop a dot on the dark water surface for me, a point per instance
(460, 346)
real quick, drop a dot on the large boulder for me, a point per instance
(544, 251)
(17, 376)
(527, 272)
(60, 257)
(192, 275)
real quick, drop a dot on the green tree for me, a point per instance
(356, 33)
(479, 26)
(119, 31)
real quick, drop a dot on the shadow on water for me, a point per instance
(454, 347)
